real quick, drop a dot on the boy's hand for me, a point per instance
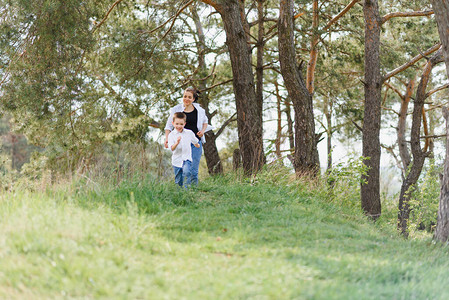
(178, 140)
(196, 145)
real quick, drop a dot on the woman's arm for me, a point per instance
(167, 132)
(201, 132)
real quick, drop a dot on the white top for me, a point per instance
(184, 150)
(202, 118)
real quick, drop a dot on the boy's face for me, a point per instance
(179, 124)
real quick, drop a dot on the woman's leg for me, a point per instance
(196, 157)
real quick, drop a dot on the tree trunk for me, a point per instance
(419, 156)
(306, 152)
(442, 229)
(260, 50)
(328, 115)
(370, 190)
(248, 113)
(290, 134)
(213, 161)
(441, 10)
(404, 152)
(279, 121)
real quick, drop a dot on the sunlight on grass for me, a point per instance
(220, 241)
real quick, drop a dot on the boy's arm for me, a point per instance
(172, 143)
(173, 147)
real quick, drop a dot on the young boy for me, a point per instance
(179, 141)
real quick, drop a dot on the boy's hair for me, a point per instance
(179, 115)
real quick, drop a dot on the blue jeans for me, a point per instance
(183, 176)
(196, 157)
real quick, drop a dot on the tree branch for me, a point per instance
(214, 4)
(225, 124)
(411, 62)
(107, 15)
(217, 84)
(430, 93)
(406, 14)
(340, 14)
(171, 18)
(394, 89)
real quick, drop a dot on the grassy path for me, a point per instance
(221, 241)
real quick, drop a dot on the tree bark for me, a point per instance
(442, 229)
(279, 121)
(306, 152)
(248, 113)
(329, 131)
(404, 152)
(260, 51)
(290, 134)
(370, 190)
(213, 161)
(419, 156)
(441, 9)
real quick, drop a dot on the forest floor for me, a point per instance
(221, 240)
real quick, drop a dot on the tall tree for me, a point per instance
(441, 8)
(419, 154)
(306, 152)
(370, 191)
(248, 110)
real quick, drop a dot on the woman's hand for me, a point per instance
(166, 143)
(200, 133)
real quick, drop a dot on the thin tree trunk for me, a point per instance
(311, 66)
(279, 121)
(328, 115)
(441, 9)
(290, 133)
(442, 229)
(306, 152)
(370, 190)
(213, 160)
(419, 156)
(404, 152)
(260, 51)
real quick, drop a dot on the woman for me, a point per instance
(196, 121)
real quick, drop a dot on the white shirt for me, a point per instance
(184, 150)
(202, 118)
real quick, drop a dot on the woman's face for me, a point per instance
(188, 98)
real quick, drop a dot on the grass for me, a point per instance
(223, 240)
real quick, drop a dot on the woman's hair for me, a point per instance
(194, 91)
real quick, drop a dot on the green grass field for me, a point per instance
(223, 240)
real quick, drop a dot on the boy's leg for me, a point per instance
(178, 175)
(186, 173)
(196, 157)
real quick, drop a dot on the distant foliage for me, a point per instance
(344, 181)
(425, 200)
